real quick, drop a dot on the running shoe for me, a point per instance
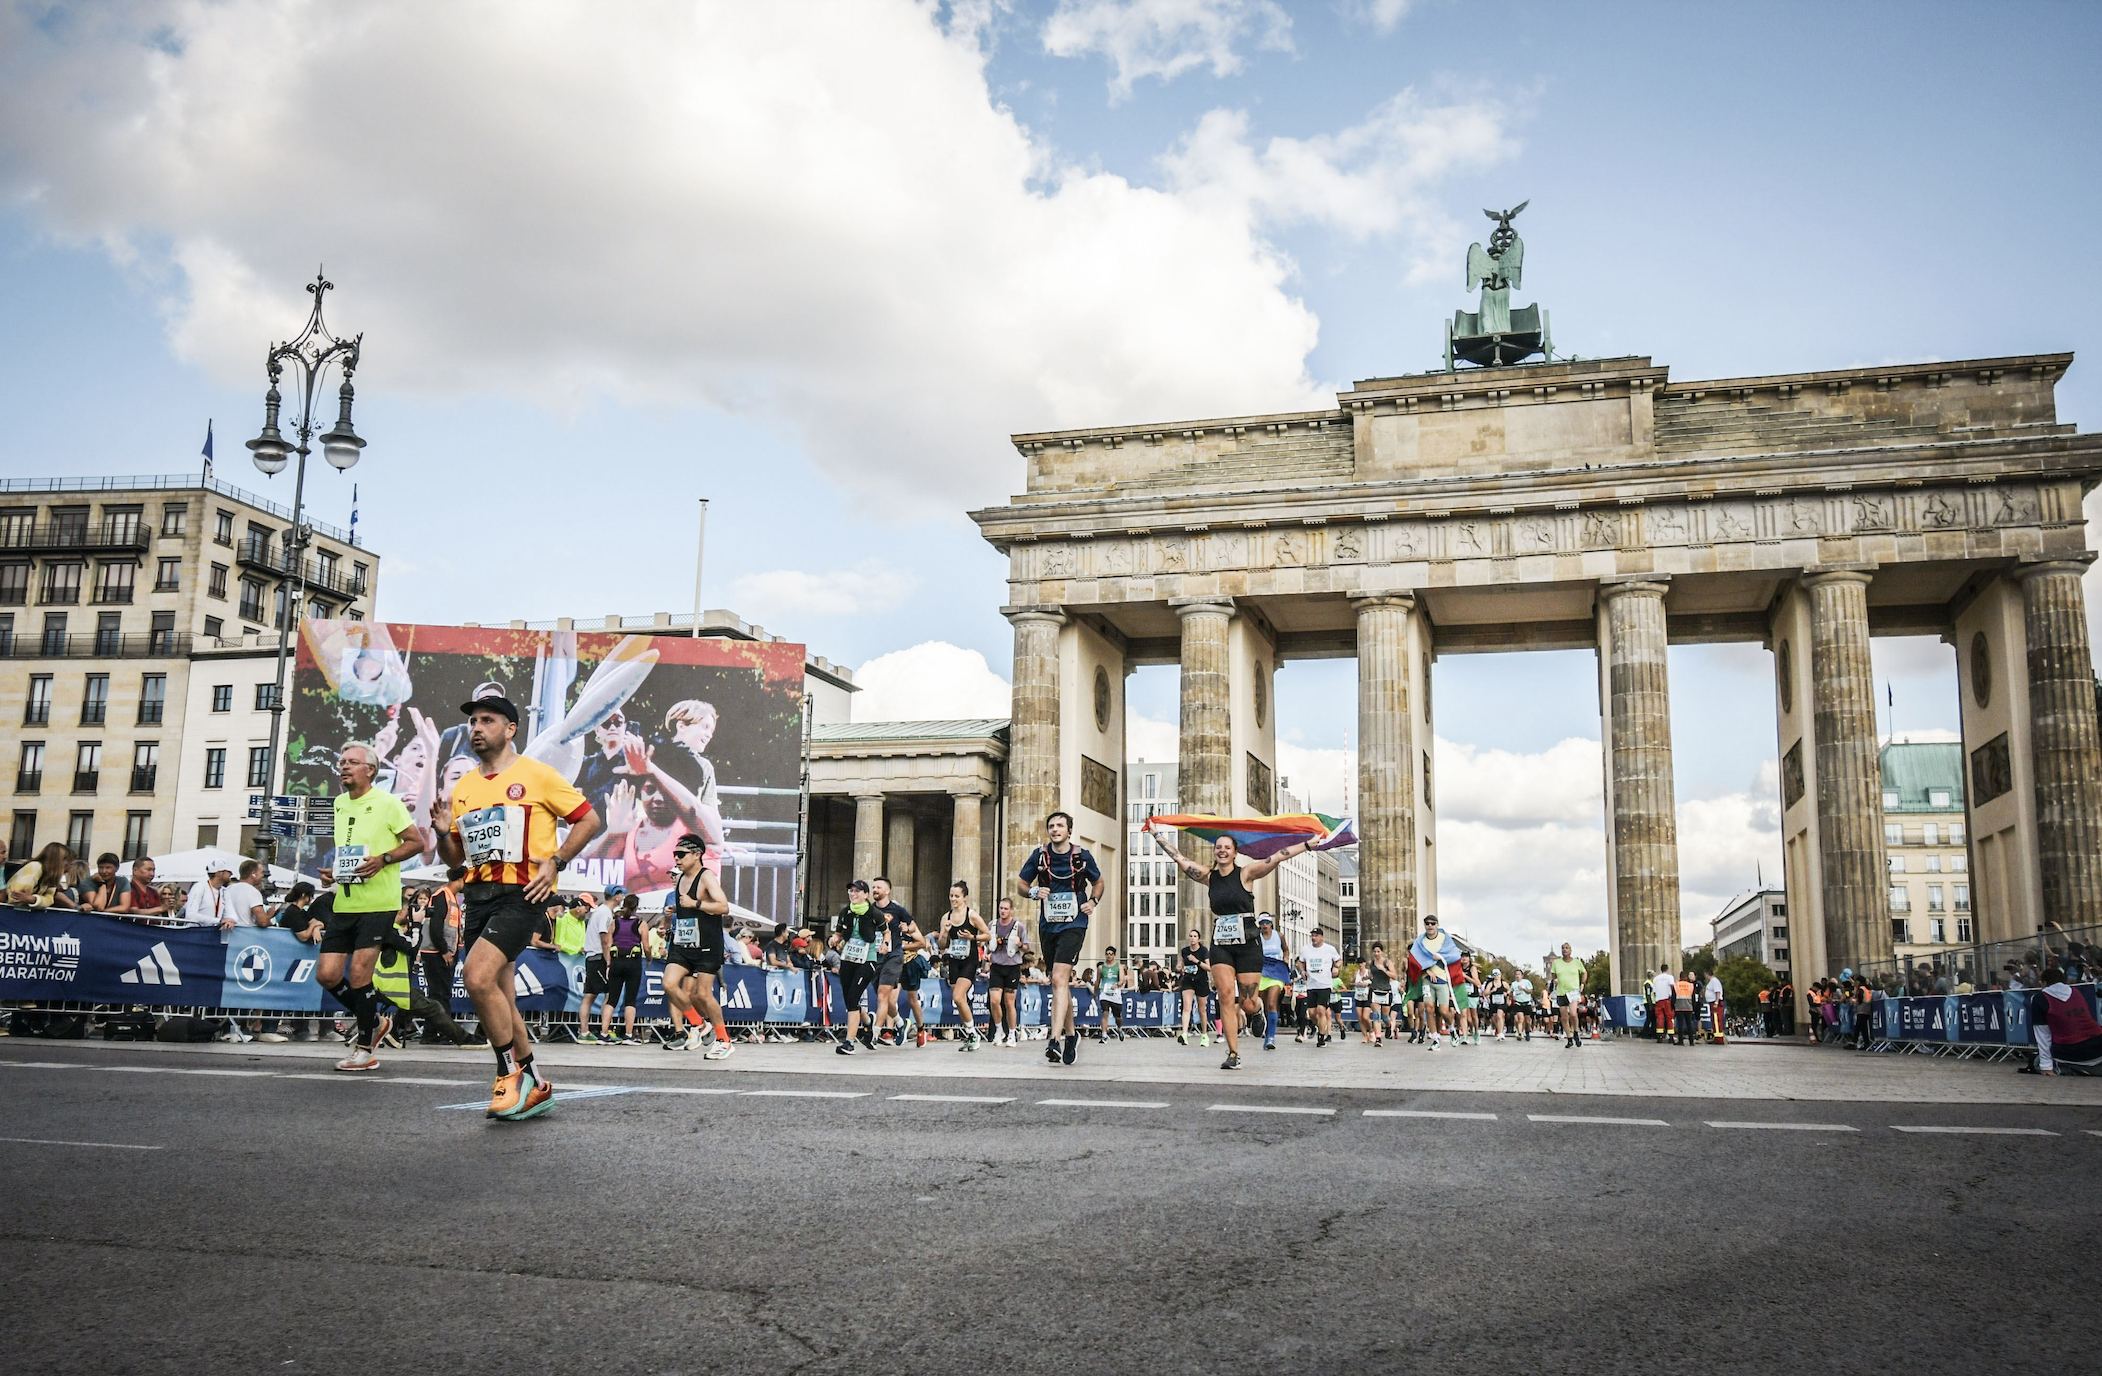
(1204, 1039)
(1269, 1045)
(1051, 1051)
(587, 1039)
(919, 1037)
(1232, 1061)
(719, 1052)
(269, 1036)
(360, 1058)
(538, 1099)
(849, 1047)
(1072, 1048)
(970, 1043)
(510, 1093)
(694, 1039)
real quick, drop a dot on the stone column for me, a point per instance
(1856, 869)
(1032, 747)
(2063, 741)
(964, 847)
(1645, 839)
(868, 835)
(1204, 760)
(898, 846)
(1386, 775)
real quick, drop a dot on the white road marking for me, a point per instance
(684, 1089)
(1790, 1127)
(1425, 1113)
(49, 1142)
(951, 1099)
(1268, 1108)
(1980, 1132)
(1103, 1103)
(807, 1093)
(1618, 1122)
(189, 1070)
(45, 1065)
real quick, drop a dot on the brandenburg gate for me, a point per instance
(1597, 504)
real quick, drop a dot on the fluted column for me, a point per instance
(1856, 870)
(1032, 746)
(964, 847)
(898, 849)
(1645, 841)
(1204, 760)
(2063, 741)
(868, 835)
(1386, 774)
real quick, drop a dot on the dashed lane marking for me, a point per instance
(806, 1093)
(1103, 1103)
(684, 1089)
(49, 1142)
(1790, 1127)
(191, 1070)
(1270, 1108)
(1426, 1113)
(1615, 1122)
(951, 1099)
(45, 1065)
(1978, 1132)
(341, 1077)
(563, 1095)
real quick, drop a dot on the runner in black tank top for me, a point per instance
(961, 943)
(1236, 950)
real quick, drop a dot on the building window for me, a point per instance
(14, 585)
(135, 825)
(319, 610)
(1934, 898)
(1900, 899)
(69, 525)
(259, 766)
(94, 702)
(1963, 899)
(153, 699)
(1780, 933)
(120, 524)
(1963, 929)
(1168, 904)
(251, 599)
(1959, 863)
(217, 586)
(21, 837)
(325, 565)
(36, 709)
(161, 638)
(1938, 930)
(145, 766)
(223, 529)
(175, 518)
(357, 579)
(1889, 799)
(109, 633)
(215, 767)
(1153, 785)
(113, 582)
(62, 584)
(169, 577)
(29, 778)
(266, 697)
(80, 834)
(17, 526)
(1934, 864)
(215, 628)
(1893, 834)
(1955, 833)
(87, 767)
(1937, 797)
(1930, 834)
(222, 697)
(1896, 863)
(1901, 931)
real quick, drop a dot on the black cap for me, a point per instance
(861, 885)
(503, 707)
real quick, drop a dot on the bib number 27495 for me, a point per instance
(1228, 928)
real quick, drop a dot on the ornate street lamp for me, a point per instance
(310, 356)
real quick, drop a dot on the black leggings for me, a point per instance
(854, 981)
(623, 982)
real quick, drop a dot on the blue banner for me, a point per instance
(89, 958)
(1626, 1010)
(268, 967)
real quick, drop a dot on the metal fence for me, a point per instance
(1991, 965)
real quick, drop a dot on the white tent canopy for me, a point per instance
(189, 866)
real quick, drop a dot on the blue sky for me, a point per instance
(816, 271)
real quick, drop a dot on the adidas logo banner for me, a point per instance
(90, 958)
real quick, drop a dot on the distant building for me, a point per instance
(1149, 901)
(1298, 884)
(1347, 899)
(1923, 831)
(1754, 924)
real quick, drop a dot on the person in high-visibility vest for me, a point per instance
(391, 981)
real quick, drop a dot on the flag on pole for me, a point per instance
(1259, 838)
(353, 513)
(207, 451)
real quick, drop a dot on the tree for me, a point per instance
(1598, 974)
(1698, 962)
(1742, 979)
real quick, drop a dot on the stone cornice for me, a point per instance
(2050, 366)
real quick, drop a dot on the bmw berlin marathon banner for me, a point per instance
(663, 734)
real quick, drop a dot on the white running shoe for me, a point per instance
(696, 1038)
(358, 1059)
(719, 1052)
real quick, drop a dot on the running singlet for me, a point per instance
(1111, 982)
(1382, 982)
(960, 942)
(1067, 875)
(1274, 966)
(1231, 906)
(857, 934)
(1320, 963)
(506, 821)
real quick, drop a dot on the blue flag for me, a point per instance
(207, 450)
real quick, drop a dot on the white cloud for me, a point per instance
(870, 586)
(1150, 738)
(1382, 15)
(932, 681)
(831, 225)
(1563, 784)
(1164, 38)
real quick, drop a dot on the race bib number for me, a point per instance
(1227, 927)
(958, 948)
(686, 931)
(1062, 907)
(856, 951)
(348, 858)
(493, 835)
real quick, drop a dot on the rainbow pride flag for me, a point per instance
(1259, 838)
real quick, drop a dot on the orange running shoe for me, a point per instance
(537, 1099)
(509, 1095)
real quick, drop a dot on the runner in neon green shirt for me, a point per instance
(1567, 975)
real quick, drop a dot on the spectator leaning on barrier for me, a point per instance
(245, 898)
(103, 890)
(207, 905)
(41, 883)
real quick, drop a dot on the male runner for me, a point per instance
(1193, 965)
(902, 941)
(1319, 960)
(856, 933)
(374, 834)
(1567, 973)
(1522, 1006)
(1067, 884)
(1431, 958)
(1010, 953)
(694, 953)
(500, 823)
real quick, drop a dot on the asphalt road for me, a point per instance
(185, 1212)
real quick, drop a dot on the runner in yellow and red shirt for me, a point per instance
(501, 825)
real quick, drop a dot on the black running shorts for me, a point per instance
(594, 975)
(703, 960)
(1007, 976)
(345, 932)
(855, 977)
(1318, 998)
(1061, 947)
(1246, 957)
(500, 915)
(954, 970)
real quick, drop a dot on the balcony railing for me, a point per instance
(268, 554)
(95, 645)
(164, 482)
(113, 596)
(150, 713)
(143, 776)
(52, 536)
(29, 780)
(86, 780)
(94, 713)
(58, 595)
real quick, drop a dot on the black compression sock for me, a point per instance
(367, 1008)
(504, 1065)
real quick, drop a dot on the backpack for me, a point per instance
(627, 936)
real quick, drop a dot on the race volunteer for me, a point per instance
(500, 824)
(374, 834)
(1067, 883)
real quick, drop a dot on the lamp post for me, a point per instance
(309, 357)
